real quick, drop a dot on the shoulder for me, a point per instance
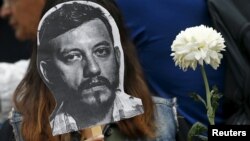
(15, 119)
(165, 118)
(165, 108)
(15, 116)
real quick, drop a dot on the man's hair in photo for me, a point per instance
(67, 17)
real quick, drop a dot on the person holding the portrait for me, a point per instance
(84, 69)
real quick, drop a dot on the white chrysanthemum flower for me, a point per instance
(197, 45)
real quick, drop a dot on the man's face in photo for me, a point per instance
(86, 63)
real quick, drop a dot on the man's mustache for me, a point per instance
(95, 81)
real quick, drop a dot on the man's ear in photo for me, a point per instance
(43, 66)
(117, 55)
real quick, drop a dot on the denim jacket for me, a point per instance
(165, 117)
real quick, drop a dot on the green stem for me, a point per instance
(210, 113)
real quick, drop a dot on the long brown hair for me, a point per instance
(34, 101)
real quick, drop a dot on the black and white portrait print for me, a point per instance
(80, 59)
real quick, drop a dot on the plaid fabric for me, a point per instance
(63, 123)
(126, 106)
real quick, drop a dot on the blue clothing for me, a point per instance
(153, 26)
(165, 117)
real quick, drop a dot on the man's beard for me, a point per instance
(96, 90)
(94, 99)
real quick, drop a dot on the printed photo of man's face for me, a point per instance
(86, 63)
(79, 62)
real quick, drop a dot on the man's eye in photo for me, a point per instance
(102, 52)
(72, 57)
